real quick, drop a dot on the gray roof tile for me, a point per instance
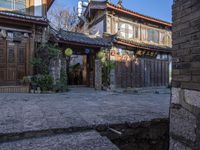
(76, 37)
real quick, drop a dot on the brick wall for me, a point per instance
(185, 100)
(186, 44)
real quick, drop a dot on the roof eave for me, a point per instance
(142, 47)
(49, 4)
(43, 23)
(80, 44)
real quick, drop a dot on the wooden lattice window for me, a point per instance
(128, 31)
(153, 35)
(19, 5)
(21, 55)
(11, 55)
(1, 55)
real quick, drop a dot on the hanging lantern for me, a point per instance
(68, 52)
(100, 55)
(112, 53)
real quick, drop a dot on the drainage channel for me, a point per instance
(150, 135)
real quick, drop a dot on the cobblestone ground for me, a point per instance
(77, 108)
(24, 118)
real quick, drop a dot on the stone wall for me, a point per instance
(98, 75)
(185, 100)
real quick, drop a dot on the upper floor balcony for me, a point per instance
(30, 7)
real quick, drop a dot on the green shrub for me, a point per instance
(60, 87)
(45, 82)
(26, 80)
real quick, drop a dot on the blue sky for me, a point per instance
(156, 8)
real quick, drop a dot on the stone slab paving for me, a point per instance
(77, 108)
(90, 140)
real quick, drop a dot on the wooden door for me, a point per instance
(3, 60)
(21, 60)
(11, 62)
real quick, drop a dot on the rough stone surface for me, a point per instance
(76, 141)
(175, 99)
(192, 97)
(98, 75)
(77, 108)
(176, 145)
(183, 124)
(55, 69)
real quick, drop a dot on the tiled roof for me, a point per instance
(68, 36)
(23, 17)
(143, 45)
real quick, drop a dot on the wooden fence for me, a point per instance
(142, 73)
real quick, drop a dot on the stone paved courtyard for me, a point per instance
(82, 107)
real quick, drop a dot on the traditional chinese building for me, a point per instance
(83, 71)
(141, 44)
(23, 26)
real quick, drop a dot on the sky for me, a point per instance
(160, 9)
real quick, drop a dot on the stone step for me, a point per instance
(14, 89)
(90, 140)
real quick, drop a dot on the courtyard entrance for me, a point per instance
(81, 66)
(81, 72)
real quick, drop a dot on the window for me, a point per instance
(108, 25)
(153, 36)
(167, 40)
(136, 32)
(38, 8)
(21, 55)
(128, 31)
(8, 4)
(18, 5)
(116, 27)
(144, 34)
(11, 55)
(1, 55)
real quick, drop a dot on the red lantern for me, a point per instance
(112, 53)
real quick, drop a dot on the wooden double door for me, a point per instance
(12, 61)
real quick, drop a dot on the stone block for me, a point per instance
(183, 124)
(190, 85)
(98, 75)
(183, 78)
(192, 97)
(175, 98)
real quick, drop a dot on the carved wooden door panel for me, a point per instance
(21, 60)
(3, 60)
(11, 62)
